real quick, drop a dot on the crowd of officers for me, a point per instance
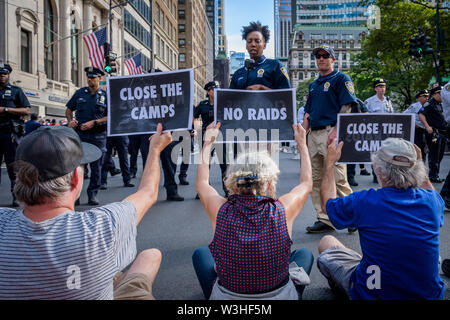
(90, 107)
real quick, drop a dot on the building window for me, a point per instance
(313, 74)
(74, 51)
(300, 76)
(182, 57)
(300, 64)
(181, 43)
(49, 31)
(181, 14)
(181, 28)
(25, 51)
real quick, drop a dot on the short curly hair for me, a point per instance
(256, 26)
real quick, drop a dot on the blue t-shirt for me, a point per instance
(268, 72)
(399, 233)
(327, 94)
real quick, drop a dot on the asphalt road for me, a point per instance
(177, 228)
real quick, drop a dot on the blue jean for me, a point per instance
(204, 263)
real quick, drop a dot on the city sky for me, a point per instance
(239, 13)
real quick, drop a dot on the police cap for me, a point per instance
(211, 85)
(379, 82)
(422, 93)
(326, 48)
(93, 72)
(5, 68)
(436, 89)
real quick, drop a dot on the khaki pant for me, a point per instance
(134, 286)
(317, 146)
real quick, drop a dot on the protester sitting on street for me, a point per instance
(49, 251)
(251, 248)
(398, 227)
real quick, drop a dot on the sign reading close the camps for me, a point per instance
(250, 116)
(363, 133)
(137, 103)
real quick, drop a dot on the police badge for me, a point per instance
(260, 73)
(326, 86)
(102, 99)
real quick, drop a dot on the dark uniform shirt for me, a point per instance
(206, 111)
(327, 94)
(12, 97)
(268, 72)
(434, 114)
(88, 106)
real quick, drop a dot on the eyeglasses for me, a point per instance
(323, 55)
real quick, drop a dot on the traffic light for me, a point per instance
(427, 49)
(414, 47)
(110, 59)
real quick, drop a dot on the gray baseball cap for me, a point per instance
(325, 47)
(398, 151)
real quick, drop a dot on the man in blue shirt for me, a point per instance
(32, 124)
(398, 227)
(331, 93)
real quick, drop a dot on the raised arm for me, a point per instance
(328, 188)
(147, 193)
(294, 201)
(210, 198)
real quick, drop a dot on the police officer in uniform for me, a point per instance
(89, 104)
(262, 73)
(13, 106)
(419, 131)
(432, 117)
(331, 93)
(379, 103)
(121, 144)
(205, 112)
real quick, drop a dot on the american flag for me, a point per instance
(95, 43)
(134, 64)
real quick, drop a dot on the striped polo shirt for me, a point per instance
(75, 255)
(251, 244)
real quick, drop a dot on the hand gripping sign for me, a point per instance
(137, 103)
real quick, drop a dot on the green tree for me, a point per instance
(302, 91)
(385, 51)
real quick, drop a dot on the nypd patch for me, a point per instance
(447, 87)
(350, 87)
(284, 71)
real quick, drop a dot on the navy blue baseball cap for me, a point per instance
(211, 85)
(325, 47)
(93, 72)
(5, 68)
(55, 151)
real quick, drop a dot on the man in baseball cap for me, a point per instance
(325, 48)
(404, 215)
(83, 251)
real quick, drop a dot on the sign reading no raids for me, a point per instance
(137, 103)
(363, 133)
(255, 116)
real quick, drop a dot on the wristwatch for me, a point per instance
(6, 109)
(95, 123)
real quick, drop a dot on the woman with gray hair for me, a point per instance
(250, 255)
(398, 227)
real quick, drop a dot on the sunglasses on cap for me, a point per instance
(322, 55)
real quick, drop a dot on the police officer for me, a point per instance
(205, 112)
(121, 145)
(379, 103)
(331, 93)
(13, 106)
(419, 132)
(262, 73)
(432, 117)
(89, 104)
(445, 191)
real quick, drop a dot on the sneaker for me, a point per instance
(319, 227)
(352, 182)
(446, 267)
(364, 173)
(128, 185)
(103, 186)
